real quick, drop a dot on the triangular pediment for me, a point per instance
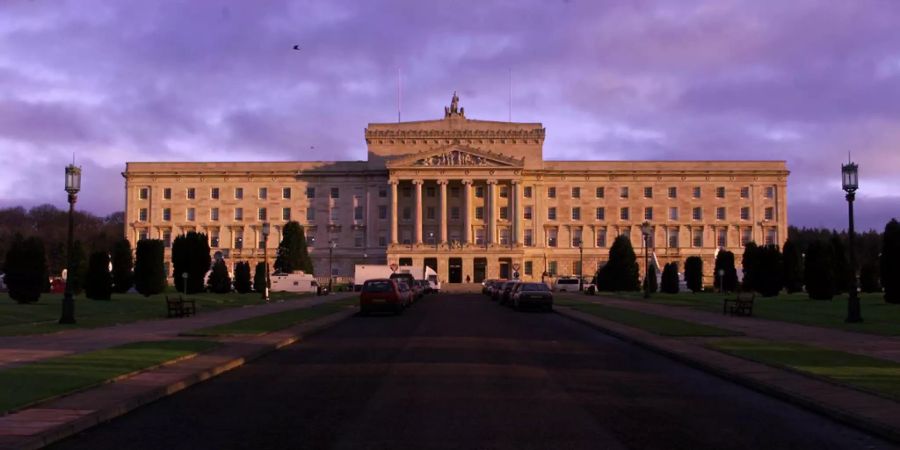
(456, 156)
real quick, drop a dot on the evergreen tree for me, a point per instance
(727, 281)
(123, 264)
(670, 278)
(98, 283)
(219, 280)
(747, 266)
(76, 274)
(890, 262)
(259, 277)
(293, 254)
(149, 270)
(768, 269)
(842, 271)
(190, 253)
(242, 277)
(818, 272)
(25, 269)
(868, 278)
(621, 271)
(693, 273)
(651, 279)
(793, 267)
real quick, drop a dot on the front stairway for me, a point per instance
(461, 288)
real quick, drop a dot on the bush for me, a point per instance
(259, 277)
(868, 278)
(242, 277)
(293, 254)
(818, 273)
(219, 280)
(793, 267)
(748, 265)
(149, 270)
(890, 262)
(26, 269)
(670, 278)
(123, 264)
(693, 273)
(98, 283)
(650, 279)
(621, 271)
(725, 264)
(190, 253)
(76, 274)
(768, 269)
(842, 271)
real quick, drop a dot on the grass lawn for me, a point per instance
(273, 322)
(863, 372)
(655, 324)
(41, 317)
(31, 383)
(879, 317)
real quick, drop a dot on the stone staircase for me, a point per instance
(461, 288)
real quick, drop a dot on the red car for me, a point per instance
(382, 295)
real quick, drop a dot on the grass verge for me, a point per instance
(662, 326)
(42, 380)
(863, 372)
(272, 322)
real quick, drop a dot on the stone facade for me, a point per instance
(473, 198)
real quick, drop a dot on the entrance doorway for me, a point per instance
(432, 263)
(504, 268)
(455, 270)
(480, 269)
(405, 261)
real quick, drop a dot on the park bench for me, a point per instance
(741, 305)
(179, 307)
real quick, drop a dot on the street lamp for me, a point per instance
(73, 185)
(580, 266)
(645, 231)
(331, 246)
(431, 238)
(850, 182)
(266, 228)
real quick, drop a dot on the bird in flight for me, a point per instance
(297, 47)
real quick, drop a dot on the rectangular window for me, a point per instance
(479, 191)
(600, 213)
(623, 213)
(335, 214)
(673, 213)
(429, 213)
(552, 235)
(600, 193)
(310, 192)
(144, 193)
(720, 213)
(262, 193)
(771, 236)
(262, 214)
(697, 213)
(454, 213)
(479, 212)
(430, 192)
(527, 192)
(601, 237)
(358, 213)
(142, 214)
(214, 239)
(504, 236)
(214, 214)
(720, 192)
(576, 237)
(191, 193)
(551, 192)
(551, 213)
(191, 214)
(335, 192)
(746, 236)
(697, 241)
(528, 213)
(238, 193)
(454, 191)
(673, 192)
(770, 213)
(382, 241)
(529, 268)
(551, 268)
(576, 192)
(382, 211)
(311, 239)
(286, 193)
(623, 192)
(648, 213)
(382, 192)
(214, 193)
(285, 213)
(479, 236)
(770, 191)
(529, 237)
(673, 237)
(576, 213)
(407, 214)
(167, 193)
(745, 192)
(238, 213)
(504, 213)
(504, 192)
(648, 192)
(167, 239)
(745, 213)
(358, 241)
(407, 191)
(310, 214)
(697, 192)
(722, 238)
(166, 214)
(239, 240)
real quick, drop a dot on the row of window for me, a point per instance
(238, 193)
(672, 192)
(261, 214)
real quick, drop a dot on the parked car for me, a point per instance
(407, 293)
(408, 279)
(486, 286)
(496, 286)
(424, 287)
(538, 294)
(506, 290)
(382, 294)
(566, 284)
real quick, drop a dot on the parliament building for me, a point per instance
(473, 199)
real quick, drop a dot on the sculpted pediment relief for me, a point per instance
(457, 156)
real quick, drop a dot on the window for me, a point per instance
(454, 213)
(696, 193)
(310, 192)
(191, 214)
(600, 193)
(648, 192)
(214, 193)
(745, 192)
(239, 240)
(720, 213)
(285, 213)
(527, 192)
(673, 213)
(697, 240)
(648, 213)
(529, 237)
(673, 237)
(771, 236)
(770, 191)
(576, 192)
(722, 238)
(286, 193)
(358, 240)
(310, 215)
(673, 192)
(576, 213)
(623, 192)
(311, 239)
(770, 213)
(623, 213)
(601, 237)
(262, 193)
(214, 239)
(335, 192)
(504, 236)
(576, 237)
(600, 213)
(529, 267)
(191, 193)
(479, 191)
(238, 193)
(551, 192)
(746, 236)
(745, 213)
(479, 212)
(382, 241)
(551, 213)
(261, 214)
(527, 213)
(382, 211)
(504, 213)
(335, 214)
(214, 214)
(479, 236)
(504, 192)
(166, 214)
(429, 213)
(382, 192)
(238, 213)
(167, 193)
(167, 239)
(358, 213)
(407, 214)
(697, 213)
(430, 191)
(720, 192)
(144, 193)
(551, 268)
(552, 234)
(454, 192)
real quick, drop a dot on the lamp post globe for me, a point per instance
(850, 183)
(72, 185)
(266, 228)
(645, 232)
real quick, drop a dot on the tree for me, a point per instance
(190, 254)
(793, 267)
(842, 271)
(693, 273)
(651, 279)
(242, 277)
(890, 261)
(747, 266)
(98, 282)
(621, 271)
(149, 270)
(123, 264)
(293, 254)
(25, 269)
(259, 277)
(768, 268)
(219, 280)
(818, 272)
(670, 278)
(76, 274)
(727, 281)
(868, 278)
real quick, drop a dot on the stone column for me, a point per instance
(538, 212)
(443, 212)
(418, 228)
(393, 184)
(467, 207)
(490, 235)
(518, 210)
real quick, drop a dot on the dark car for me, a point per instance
(381, 295)
(496, 287)
(486, 286)
(505, 291)
(409, 280)
(537, 294)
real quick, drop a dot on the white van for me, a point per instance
(293, 282)
(566, 284)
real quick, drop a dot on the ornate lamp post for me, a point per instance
(850, 182)
(331, 246)
(73, 185)
(645, 231)
(266, 228)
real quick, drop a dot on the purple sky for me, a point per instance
(116, 81)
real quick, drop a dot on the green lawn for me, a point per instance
(879, 317)
(863, 372)
(655, 324)
(42, 316)
(273, 322)
(31, 383)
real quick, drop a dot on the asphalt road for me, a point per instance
(460, 372)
